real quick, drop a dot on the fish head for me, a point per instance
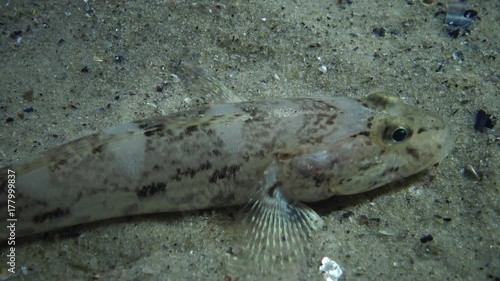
(402, 140)
(409, 139)
(391, 141)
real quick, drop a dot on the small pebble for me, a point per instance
(347, 214)
(16, 34)
(363, 220)
(380, 31)
(426, 238)
(470, 13)
(441, 218)
(484, 120)
(28, 109)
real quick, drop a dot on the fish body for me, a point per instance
(295, 150)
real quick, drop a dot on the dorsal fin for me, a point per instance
(203, 86)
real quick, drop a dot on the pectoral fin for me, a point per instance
(276, 227)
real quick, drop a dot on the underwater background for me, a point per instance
(71, 68)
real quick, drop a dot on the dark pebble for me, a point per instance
(28, 109)
(16, 34)
(363, 220)
(454, 33)
(347, 214)
(444, 219)
(470, 13)
(426, 238)
(85, 69)
(119, 58)
(380, 31)
(484, 120)
(9, 119)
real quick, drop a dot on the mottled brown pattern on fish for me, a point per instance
(218, 155)
(151, 190)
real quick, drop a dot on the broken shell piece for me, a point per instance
(471, 172)
(175, 78)
(458, 17)
(484, 120)
(330, 269)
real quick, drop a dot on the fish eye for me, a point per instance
(400, 134)
(397, 133)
